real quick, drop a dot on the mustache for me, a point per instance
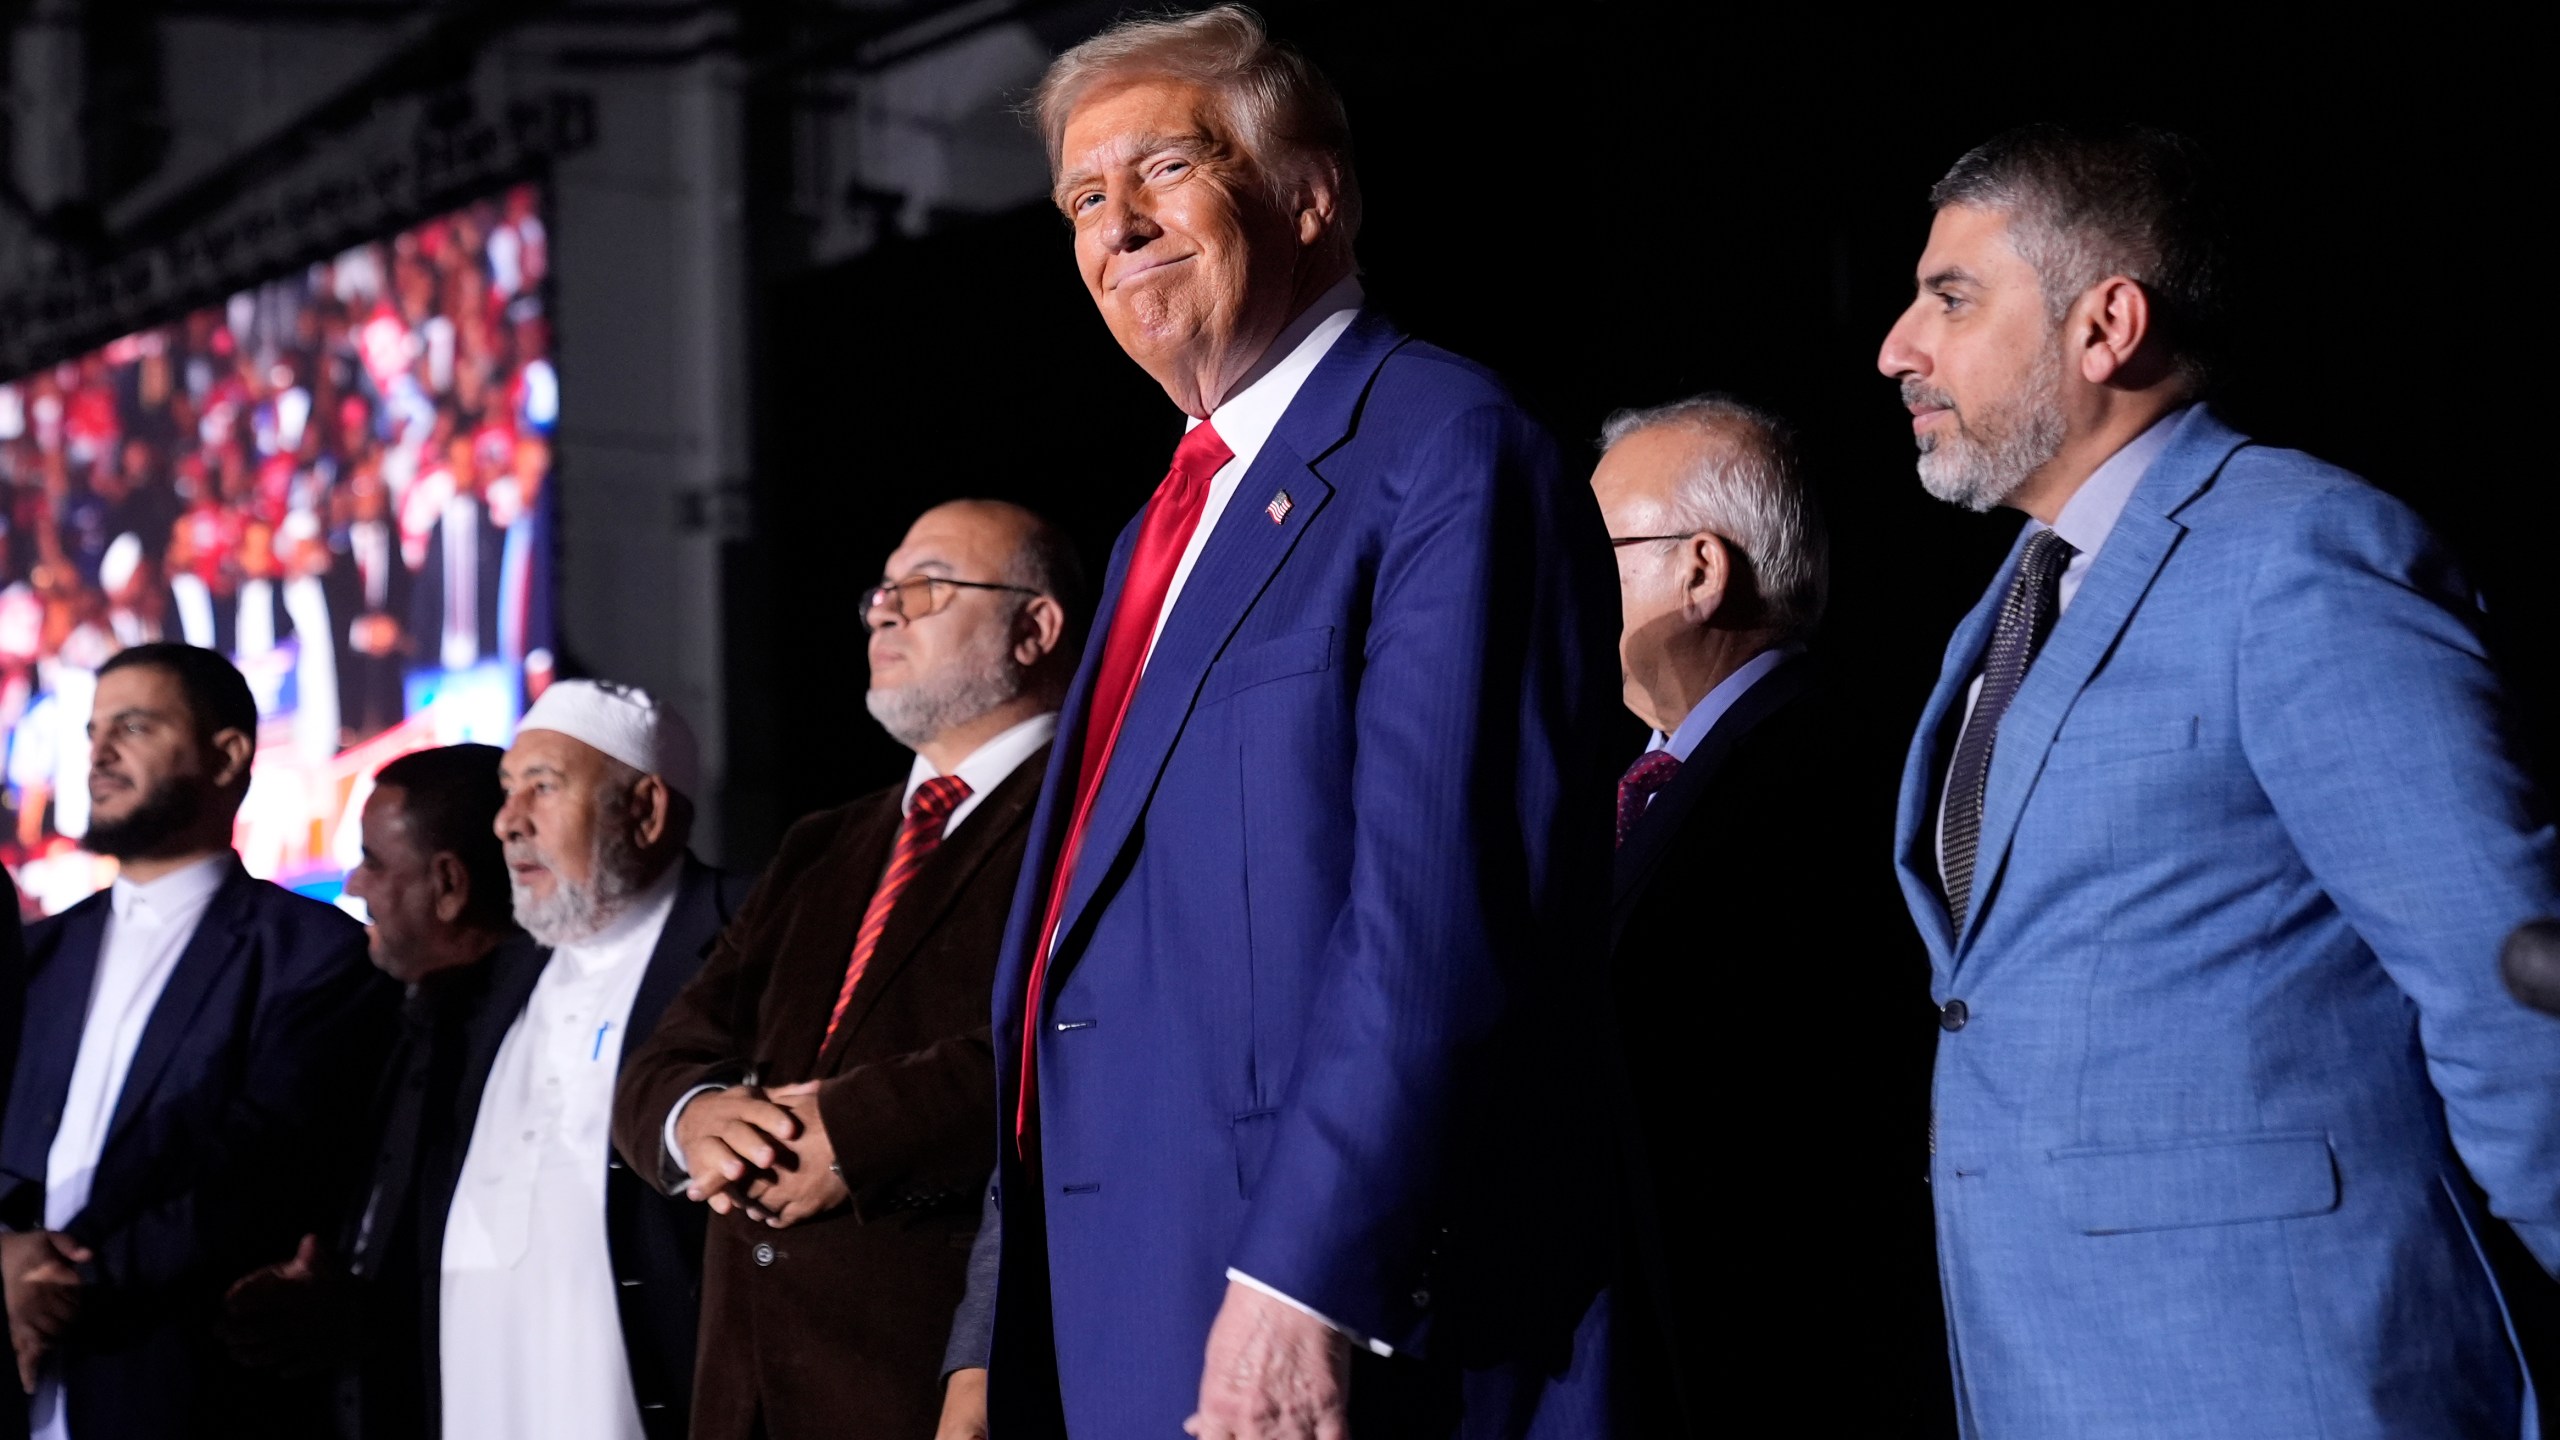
(525, 852)
(1915, 393)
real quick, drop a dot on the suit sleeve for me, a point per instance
(973, 1323)
(915, 1122)
(1478, 681)
(269, 1168)
(704, 1036)
(2373, 719)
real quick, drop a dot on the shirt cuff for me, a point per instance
(675, 1172)
(1374, 1347)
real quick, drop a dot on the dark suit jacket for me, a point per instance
(427, 596)
(1320, 1008)
(839, 1322)
(235, 1115)
(655, 1241)
(1776, 1030)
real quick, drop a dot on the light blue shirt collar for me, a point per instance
(1703, 716)
(2090, 515)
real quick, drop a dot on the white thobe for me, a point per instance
(148, 927)
(530, 1331)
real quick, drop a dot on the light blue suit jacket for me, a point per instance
(2236, 1051)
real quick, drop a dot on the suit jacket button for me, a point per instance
(1952, 1015)
(763, 1254)
(1421, 1299)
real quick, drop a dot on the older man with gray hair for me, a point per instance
(1750, 835)
(564, 1284)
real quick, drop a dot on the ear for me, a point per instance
(1706, 576)
(1319, 202)
(233, 750)
(1037, 630)
(652, 811)
(2111, 321)
(452, 881)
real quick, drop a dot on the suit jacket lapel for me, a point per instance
(1670, 810)
(692, 925)
(57, 1005)
(1916, 815)
(935, 889)
(219, 937)
(814, 970)
(1242, 555)
(2140, 544)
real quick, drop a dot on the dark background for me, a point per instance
(1616, 204)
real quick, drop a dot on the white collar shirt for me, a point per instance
(986, 767)
(147, 930)
(530, 1323)
(1246, 419)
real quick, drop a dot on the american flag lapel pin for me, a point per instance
(1279, 507)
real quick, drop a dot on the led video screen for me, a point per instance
(339, 479)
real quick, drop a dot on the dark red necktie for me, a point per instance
(1163, 534)
(917, 836)
(1652, 770)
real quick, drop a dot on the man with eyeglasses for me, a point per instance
(1748, 833)
(825, 1084)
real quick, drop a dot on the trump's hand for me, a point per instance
(1274, 1372)
(964, 1406)
(290, 1318)
(728, 1136)
(804, 1182)
(42, 1291)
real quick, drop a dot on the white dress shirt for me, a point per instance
(530, 1330)
(1246, 419)
(985, 768)
(2085, 522)
(148, 927)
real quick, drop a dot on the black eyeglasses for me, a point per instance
(894, 596)
(1621, 542)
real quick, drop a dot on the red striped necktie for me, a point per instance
(917, 836)
(1163, 534)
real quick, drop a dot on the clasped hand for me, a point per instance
(37, 1271)
(760, 1153)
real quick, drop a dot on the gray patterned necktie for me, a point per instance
(2026, 613)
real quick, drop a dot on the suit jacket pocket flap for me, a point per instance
(2098, 745)
(1269, 660)
(2227, 1180)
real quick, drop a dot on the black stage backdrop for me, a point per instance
(1616, 204)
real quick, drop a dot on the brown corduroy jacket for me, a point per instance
(835, 1326)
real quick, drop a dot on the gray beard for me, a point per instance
(1980, 466)
(969, 685)
(579, 912)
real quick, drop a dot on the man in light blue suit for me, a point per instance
(1297, 1007)
(2212, 826)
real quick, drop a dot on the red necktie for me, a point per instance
(1637, 787)
(917, 836)
(1163, 534)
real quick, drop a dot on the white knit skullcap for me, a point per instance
(625, 722)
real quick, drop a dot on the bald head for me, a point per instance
(974, 626)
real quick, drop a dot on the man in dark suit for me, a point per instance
(1748, 831)
(194, 1047)
(825, 1083)
(1295, 1016)
(546, 1322)
(434, 881)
